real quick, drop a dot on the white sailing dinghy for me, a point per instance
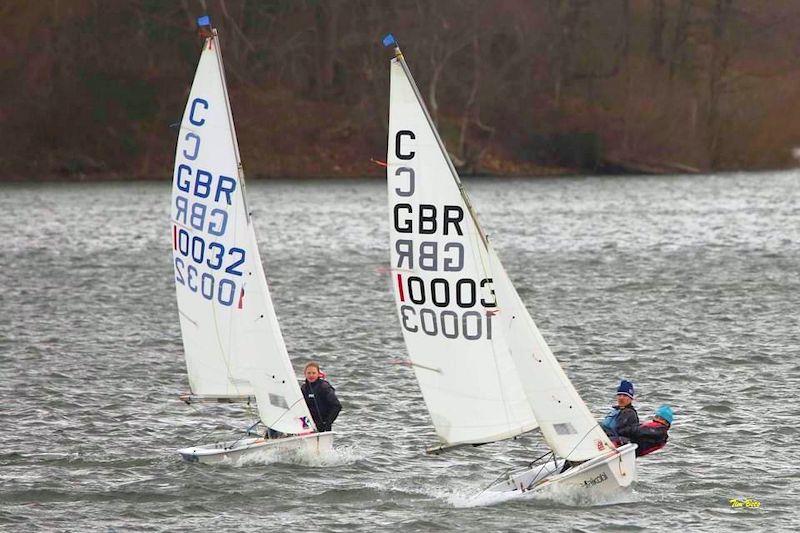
(484, 369)
(231, 338)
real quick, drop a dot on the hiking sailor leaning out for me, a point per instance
(623, 421)
(320, 397)
(653, 435)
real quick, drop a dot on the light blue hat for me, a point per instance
(665, 412)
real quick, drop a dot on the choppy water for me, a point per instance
(686, 285)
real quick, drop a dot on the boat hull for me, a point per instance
(249, 448)
(605, 475)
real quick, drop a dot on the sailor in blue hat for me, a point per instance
(623, 421)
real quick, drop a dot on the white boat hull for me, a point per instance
(602, 476)
(248, 448)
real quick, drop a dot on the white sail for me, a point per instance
(443, 291)
(231, 337)
(484, 369)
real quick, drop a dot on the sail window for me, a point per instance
(278, 401)
(565, 429)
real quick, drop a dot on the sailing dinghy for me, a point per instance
(485, 371)
(231, 338)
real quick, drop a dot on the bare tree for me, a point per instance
(719, 62)
(680, 37)
(657, 23)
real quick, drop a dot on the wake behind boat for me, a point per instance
(485, 371)
(232, 341)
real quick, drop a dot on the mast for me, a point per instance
(234, 139)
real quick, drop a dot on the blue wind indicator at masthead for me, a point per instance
(389, 40)
(205, 20)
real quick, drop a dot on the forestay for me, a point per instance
(231, 337)
(484, 369)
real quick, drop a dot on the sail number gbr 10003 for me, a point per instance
(439, 292)
(443, 319)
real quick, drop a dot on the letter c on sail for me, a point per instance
(196, 139)
(410, 172)
(195, 102)
(400, 134)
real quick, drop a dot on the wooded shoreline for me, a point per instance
(517, 88)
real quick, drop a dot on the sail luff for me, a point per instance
(266, 395)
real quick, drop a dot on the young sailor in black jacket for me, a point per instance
(622, 421)
(320, 397)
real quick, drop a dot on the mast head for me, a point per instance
(389, 40)
(204, 26)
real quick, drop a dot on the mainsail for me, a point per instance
(231, 337)
(484, 369)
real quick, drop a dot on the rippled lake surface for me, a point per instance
(686, 285)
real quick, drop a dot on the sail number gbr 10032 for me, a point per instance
(211, 255)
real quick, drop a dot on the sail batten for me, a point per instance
(459, 311)
(232, 340)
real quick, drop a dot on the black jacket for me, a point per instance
(622, 422)
(322, 402)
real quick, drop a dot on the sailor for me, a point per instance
(623, 421)
(320, 397)
(652, 436)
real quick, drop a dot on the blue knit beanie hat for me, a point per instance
(665, 412)
(626, 388)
